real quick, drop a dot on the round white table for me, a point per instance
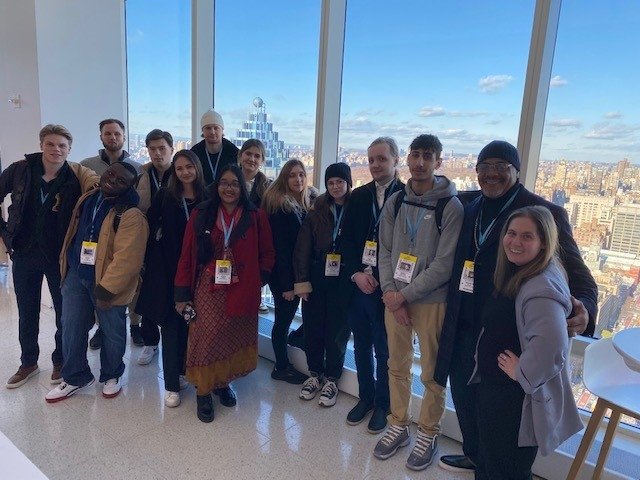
(627, 344)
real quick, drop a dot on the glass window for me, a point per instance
(158, 72)
(591, 141)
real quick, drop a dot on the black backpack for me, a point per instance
(439, 208)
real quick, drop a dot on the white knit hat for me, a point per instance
(211, 117)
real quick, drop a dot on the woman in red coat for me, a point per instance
(227, 255)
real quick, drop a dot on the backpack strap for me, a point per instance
(120, 209)
(439, 208)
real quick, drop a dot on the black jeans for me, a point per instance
(366, 320)
(174, 349)
(28, 272)
(151, 332)
(284, 312)
(499, 410)
(325, 332)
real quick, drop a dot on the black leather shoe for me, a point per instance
(96, 341)
(358, 413)
(289, 375)
(378, 420)
(205, 408)
(457, 463)
(227, 396)
(136, 335)
(296, 338)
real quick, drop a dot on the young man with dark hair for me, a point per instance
(418, 235)
(100, 263)
(214, 151)
(44, 188)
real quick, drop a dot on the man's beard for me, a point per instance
(112, 148)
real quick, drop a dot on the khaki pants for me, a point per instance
(427, 322)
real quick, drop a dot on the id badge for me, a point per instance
(405, 267)
(88, 253)
(370, 253)
(332, 265)
(223, 272)
(466, 279)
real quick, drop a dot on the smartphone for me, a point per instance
(189, 314)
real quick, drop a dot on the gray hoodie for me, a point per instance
(435, 251)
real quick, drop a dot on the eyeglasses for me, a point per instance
(233, 185)
(500, 167)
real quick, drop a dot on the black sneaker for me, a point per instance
(205, 408)
(227, 396)
(136, 335)
(378, 421)
(96, 341)
(358, 413)
(289, 375)
(296, 338)
(457, 463)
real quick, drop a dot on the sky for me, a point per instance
(455, 69)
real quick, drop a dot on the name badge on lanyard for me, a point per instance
(223, 272)
(332, 265)
(88, 253)
(405, 267)
(466, 279)
(370, 253)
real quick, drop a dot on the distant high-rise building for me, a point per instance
(625, 237)
(257, 126)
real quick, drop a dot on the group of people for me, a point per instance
(491, 283)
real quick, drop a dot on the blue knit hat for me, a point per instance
(502, 150)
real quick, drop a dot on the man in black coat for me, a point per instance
(498, 171)
(361, 294)
(214, 151)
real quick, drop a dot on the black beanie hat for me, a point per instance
(340, 170)
(502, 150)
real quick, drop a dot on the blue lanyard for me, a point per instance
(96, 208)
(226, 231)
(482, 236)
(186, 210)
(155, 179)
(377, 212)
(413, 227)
(298, 213)
(213, 171)
(337, 220)
(43, 197)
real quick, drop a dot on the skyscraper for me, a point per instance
(257, 126)
(625, 237)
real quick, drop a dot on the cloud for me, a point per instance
(564, 123)
(431, 112)
(607, 131)
(612, 115)
(558, 81)
(458, 113)
(494, 83)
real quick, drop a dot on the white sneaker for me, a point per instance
(147, 355)
(263, 308)
(183, 382)
(310, 388)
(329, 394)
(111, 388)
(171, 399)
(64, 390)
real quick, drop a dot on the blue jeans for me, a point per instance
(78, 304)
(366, 320)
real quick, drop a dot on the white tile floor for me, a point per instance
(270, 434)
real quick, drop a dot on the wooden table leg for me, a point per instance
(614, 419)
(587, 438)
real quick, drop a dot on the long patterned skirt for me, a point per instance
(220, 348)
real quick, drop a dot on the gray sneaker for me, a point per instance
(394, 438)
(424, 451)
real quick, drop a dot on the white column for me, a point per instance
(202, 61)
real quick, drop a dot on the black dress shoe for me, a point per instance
(227, 396)
(457, 463)
(205, 408)
(289, 375)
(378, 420)
(136, 335)
(96, 341)
(358, 413)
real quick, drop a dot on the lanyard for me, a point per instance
(482, 236)
(377, 212)
(337, 220)
(96, 208)
(43, 197)
(155, 179)
(299, 214)
(414, 227)
(186, 210)
(226, 231)
(213, 171)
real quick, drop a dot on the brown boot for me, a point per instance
(21, 376)
(56, 377)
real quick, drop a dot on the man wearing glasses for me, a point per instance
(471, 283)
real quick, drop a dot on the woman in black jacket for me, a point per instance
(167, 218)
(316, 266)
(286, 201)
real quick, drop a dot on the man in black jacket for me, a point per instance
(361, 292)
(214, 151)
(498, 171)
(44, 188)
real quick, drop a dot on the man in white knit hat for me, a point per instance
(214, 151)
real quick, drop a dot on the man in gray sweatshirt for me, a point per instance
(418, 234)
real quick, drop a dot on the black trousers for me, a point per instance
(499, 411)
(150, 331)
(326, 332)
(284, 312)
(174, 349)
(28, 272)
(465, 396)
